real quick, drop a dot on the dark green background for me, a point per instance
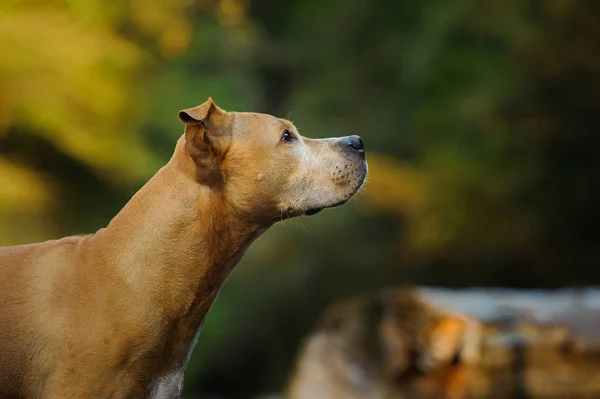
(492, 105)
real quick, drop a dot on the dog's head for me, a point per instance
(265, 168)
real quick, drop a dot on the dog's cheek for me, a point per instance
(272, 197)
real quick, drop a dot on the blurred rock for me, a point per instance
(431, 343)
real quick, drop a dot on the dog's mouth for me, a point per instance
(313, 211)
(357, 186)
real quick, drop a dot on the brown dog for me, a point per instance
(115, 314)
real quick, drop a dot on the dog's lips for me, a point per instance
(313, 211)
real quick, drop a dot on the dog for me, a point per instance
(116, 314)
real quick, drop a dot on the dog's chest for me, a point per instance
(171, 385)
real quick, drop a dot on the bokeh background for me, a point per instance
(480, 118)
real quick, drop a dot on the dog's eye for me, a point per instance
(288, 137)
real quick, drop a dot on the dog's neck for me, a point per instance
(176, 242)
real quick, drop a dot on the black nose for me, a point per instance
(356, 143)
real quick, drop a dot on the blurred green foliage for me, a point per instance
(480, 119)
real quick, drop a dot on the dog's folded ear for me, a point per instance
(201, 131)
(200, 114)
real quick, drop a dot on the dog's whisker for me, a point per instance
(281, 219)
(302, 224)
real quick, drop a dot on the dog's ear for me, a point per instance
(200, 114)
(201, 131)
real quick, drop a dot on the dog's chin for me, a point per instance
(315, 210)
(357, 186)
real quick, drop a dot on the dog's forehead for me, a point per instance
(260, 124)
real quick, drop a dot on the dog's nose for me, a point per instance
(355, 142)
